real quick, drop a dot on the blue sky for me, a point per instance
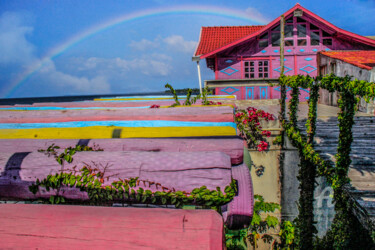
(71, 47)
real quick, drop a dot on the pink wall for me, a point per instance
(258, 92)
(299, 59)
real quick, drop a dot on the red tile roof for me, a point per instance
(212, 38)
(362, 59)
(207, 48)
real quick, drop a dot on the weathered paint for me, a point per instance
(84, 227)
(196, 110)
(156, 98)
(83, 117)
(97, 132)
(174, 170)
(240, 210)
(129, 124)
(259, 92)
(232, 146)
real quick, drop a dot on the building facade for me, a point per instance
(246, 59)
(358, 64)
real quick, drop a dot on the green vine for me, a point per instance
(258, 229)
(68, 153)
(342, 232)
(91, 180)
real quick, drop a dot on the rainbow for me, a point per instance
(95, 29)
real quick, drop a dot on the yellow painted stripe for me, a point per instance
(98, 132)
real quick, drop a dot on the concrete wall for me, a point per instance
(323, 204)
(330, 65)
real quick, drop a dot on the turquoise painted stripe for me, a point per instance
(65, 108)
(81, 124)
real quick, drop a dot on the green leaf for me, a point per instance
(144, 198)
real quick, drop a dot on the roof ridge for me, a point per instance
(236, 26)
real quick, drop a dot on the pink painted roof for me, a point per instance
(213, 38)
(353, 36)
(362, 59)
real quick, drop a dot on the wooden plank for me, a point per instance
(101, 132)
(75, 227)
(182, 171)
(180, 111)
(230, 146)
(109, 117)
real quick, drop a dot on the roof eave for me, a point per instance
(359, 38)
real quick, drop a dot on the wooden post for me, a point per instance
(282, 35)
(282, 85)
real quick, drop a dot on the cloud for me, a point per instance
(254, 13)
(70, 84)
(144, 44)
(18, 54)
(178, 43)
(14, 48)
(146, 65)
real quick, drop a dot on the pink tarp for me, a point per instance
(76, 227)
(231, 146)
(175, 170)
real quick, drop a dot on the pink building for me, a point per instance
(246, 58)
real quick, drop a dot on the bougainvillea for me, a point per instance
(248, 122)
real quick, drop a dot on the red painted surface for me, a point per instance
(76, 227)
(362, 59)
(213, 38)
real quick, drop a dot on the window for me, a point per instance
(288, 30)
(325, 34)
(289, 43)
(314, 38)
(313, 27)
(301, 30)
(300, 20)
(289, 20)
(302, 42)
(263, 40)
(275, 39)
(277, 28)
(256, 69)
(327, 42)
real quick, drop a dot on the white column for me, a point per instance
(199, 77)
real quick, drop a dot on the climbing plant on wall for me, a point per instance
(310, 161)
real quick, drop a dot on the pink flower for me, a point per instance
(266, 133)
(262, 146)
